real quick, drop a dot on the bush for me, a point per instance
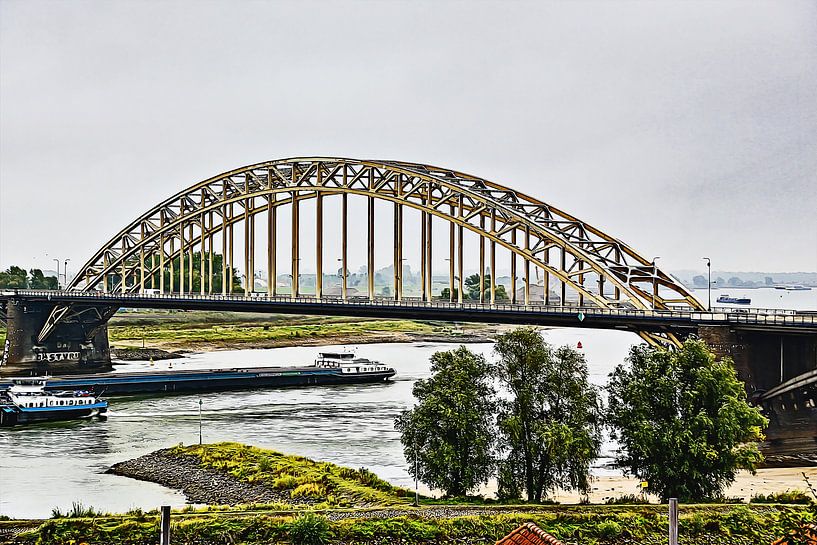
(285, 482)
(309, 529)
(609, 529)
(309, 490)
(626, 499)
(789, 496)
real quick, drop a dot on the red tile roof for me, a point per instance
(529, 534)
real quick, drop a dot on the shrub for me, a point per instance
(309, 490)
(626, 499)
(285, 482)
(789, 496)
(309, 529)
(608, 529)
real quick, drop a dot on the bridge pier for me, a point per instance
(779, 370)
(77, 343)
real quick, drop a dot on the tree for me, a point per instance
(41, 282)
(699, 281)
(472, 288)
(682, 421)
(14, 277)
(449, 434)
(551, 425)
(445, 294)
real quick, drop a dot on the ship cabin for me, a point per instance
(346, 362)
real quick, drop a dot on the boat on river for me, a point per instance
(329, 368)
(734, 300)
(27, 401)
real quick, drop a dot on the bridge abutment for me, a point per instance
(775, 367)
(78, 343)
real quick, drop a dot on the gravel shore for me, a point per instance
(199, 484)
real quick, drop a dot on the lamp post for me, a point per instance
(65, 272)
(57, 261)
(709, 284)
(654, 283)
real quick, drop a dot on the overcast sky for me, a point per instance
(686, 129)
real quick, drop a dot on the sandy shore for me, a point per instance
(765, 481)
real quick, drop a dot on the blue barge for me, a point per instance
(329, 368)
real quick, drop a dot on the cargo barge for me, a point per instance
(329, 368)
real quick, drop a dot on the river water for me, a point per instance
(53, 465)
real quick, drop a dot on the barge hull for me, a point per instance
(210, 381)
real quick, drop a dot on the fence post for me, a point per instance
(164, 535)
(673, 521)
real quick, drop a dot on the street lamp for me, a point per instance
(709, 283)
(654, 283)
(65, 272)
(57, 261)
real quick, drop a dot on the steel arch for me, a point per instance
(529, 228)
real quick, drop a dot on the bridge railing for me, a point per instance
(755, 316)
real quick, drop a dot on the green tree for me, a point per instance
(551, 425)
(14, 277)
(41, 282)
(449, 434)
(472, 288)
(682, 421)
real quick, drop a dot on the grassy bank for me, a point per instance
(388, 516)
(599, 525)
(210, 331)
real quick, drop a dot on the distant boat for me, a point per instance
(734, 300)
(793, 288)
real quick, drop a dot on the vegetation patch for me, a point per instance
(322, 482)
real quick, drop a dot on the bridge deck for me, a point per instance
(506, 312)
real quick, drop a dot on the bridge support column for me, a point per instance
(778, 370)
(78, 343)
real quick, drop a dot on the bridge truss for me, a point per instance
(580, 264)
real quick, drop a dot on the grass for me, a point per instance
(588, 525)
(199, 330)
(327, 484)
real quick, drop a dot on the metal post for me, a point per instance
(781, 359)
(370, 261)
(161, 253)
(460, 229)
(319, 243)
(181, 253)
(230, 251)
(201, 253)
(429, 219)
(513, 268)
(527, 266)
(210, 253)
(673, 521)
(581, 283)
(564, 286)
(247, 235)
(343, 244)
(451, 256)
(172, 265)
(224, 250)
(190, 253)
(293, 292)
(164, 532)
(200, 403)
(398, 262)
(546, 277)
(423, 256)
(493, 258)
(416, 476)
(271, 243)
(141, 261)
(481, 259)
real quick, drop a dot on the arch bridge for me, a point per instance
(196, 241)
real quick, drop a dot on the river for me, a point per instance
(52, 465)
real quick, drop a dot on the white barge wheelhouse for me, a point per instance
(347, 364)
(27, 400)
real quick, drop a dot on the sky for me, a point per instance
(686, 129)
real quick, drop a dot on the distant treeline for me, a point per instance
(17, 277)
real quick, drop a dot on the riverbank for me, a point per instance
(354, 507)
(172, 333)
